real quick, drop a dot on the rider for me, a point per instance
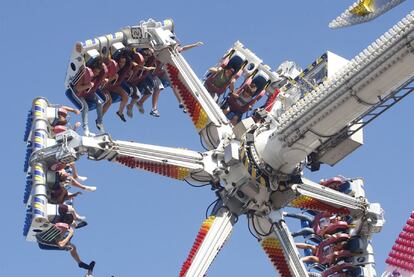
(62, 113)
(59, 193)
(240, 102)
(85, 89)
(124, 71)
(219, 79)
(143, 81)
(63, 242)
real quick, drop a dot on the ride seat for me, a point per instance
(46, 240)
(237, 63)
(303, 232)
(355, 245)
(347, 268)
(335, 227)
(333, 183)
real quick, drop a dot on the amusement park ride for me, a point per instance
(255, 168)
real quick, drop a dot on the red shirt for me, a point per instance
(97, 80)
(141, 74)
(86, 79)
(112, 67)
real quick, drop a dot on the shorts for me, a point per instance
(146, 86)
(127, 88)
(165, 82)
(158, 83)
(150, 84)
(133, 91)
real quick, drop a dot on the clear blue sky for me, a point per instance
(142, 224)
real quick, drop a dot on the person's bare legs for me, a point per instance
(108, 102)
(180, 101)
(141, 102)
(177, 95)
(124, 99)
(75, 172)
(76, 216)
(301, 245)
(134, 99)
(155, 97)
(62, 196)
(310, 259)
(76, 183)
(74, 254)
(143, 99)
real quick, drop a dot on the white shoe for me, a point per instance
(82, 178)
(81, 218)
(89, 188)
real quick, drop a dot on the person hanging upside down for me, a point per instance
(62, 114)
(59, 193)
(239, 102)
(62, 241)
(68, 210)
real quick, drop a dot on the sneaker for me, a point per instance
(181, 106)
(81, 224)
(129, 111)
(89, 188)
(91, 266)
(81, 218)
(83, 265)
(100, 126)
(121, 116)
(81, 178)
(155, 113)
(140, 108)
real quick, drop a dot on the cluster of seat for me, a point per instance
(220, 83)
(333, 244)
(116, 74)
(51, 216)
